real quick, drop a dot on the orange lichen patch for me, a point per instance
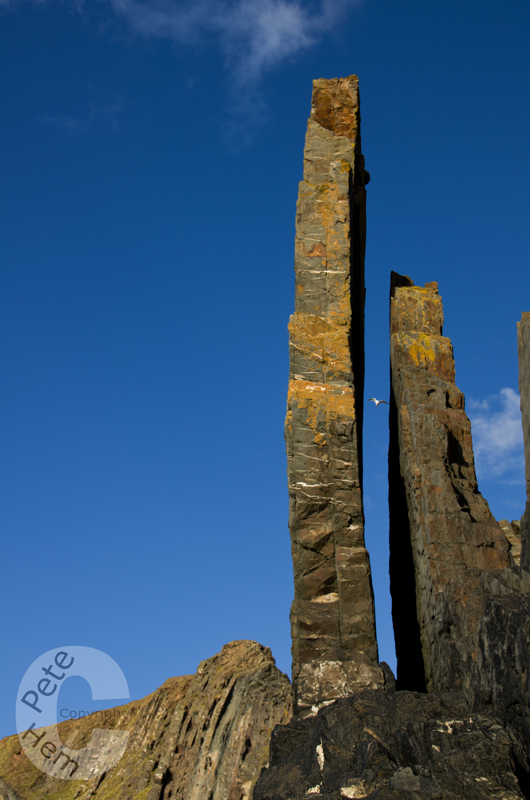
(327, 341)
(320, 400)
(417, 309)
(336, 105)
(432, 353)
(421, 349)
(333, 207)
(318, 250)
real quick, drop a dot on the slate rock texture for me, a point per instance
(523, 346)
(499, 679)
(332, 617)
(199, 737)
(402, 746)
(443, 537)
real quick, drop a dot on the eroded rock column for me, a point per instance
(444, 541)
(332, 616)
(523, 346)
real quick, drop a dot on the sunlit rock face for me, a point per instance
(461, 610)
(198, 736)
(461, 601)
(332, 616)
(458, 725)
(443, 536)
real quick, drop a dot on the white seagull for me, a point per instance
(377, 402)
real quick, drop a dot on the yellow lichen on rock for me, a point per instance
(431, 353)
(321, 398)
(324, 341)
(325, 398)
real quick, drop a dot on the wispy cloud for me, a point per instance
(254, 35)
(498, 436)
(78, 125)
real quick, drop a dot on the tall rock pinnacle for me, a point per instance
(444, 541)
(523, 346)
(332, 617)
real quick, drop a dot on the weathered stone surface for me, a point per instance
(402, 746)
(199, 737)
(443, 537)
(6, 793)
(332, 617)
(523, 346)
(512, 533)
(499, 676)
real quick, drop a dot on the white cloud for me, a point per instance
(254, 35)
(497, 434)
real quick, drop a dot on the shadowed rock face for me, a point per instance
(523, 346)
(443, 536)
(332, 617)
(403, 746)
(199, 737)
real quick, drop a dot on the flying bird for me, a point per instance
(377, 402)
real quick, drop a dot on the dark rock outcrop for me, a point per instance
(402, 746)
(523, 346)
(332, 616)
(198, 737)
(498, 678)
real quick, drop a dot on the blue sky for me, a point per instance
(150, 155)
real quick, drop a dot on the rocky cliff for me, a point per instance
(461, 610)
(198, 737)
(442, 533)
(461, 602)
(523, 346)
(459, 725)
(332, 616)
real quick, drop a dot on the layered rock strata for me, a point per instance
(332, 616)
(199, 736)
(444, 540)
(523, 346)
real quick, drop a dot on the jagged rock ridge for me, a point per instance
(332, 616)
(199, 737)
